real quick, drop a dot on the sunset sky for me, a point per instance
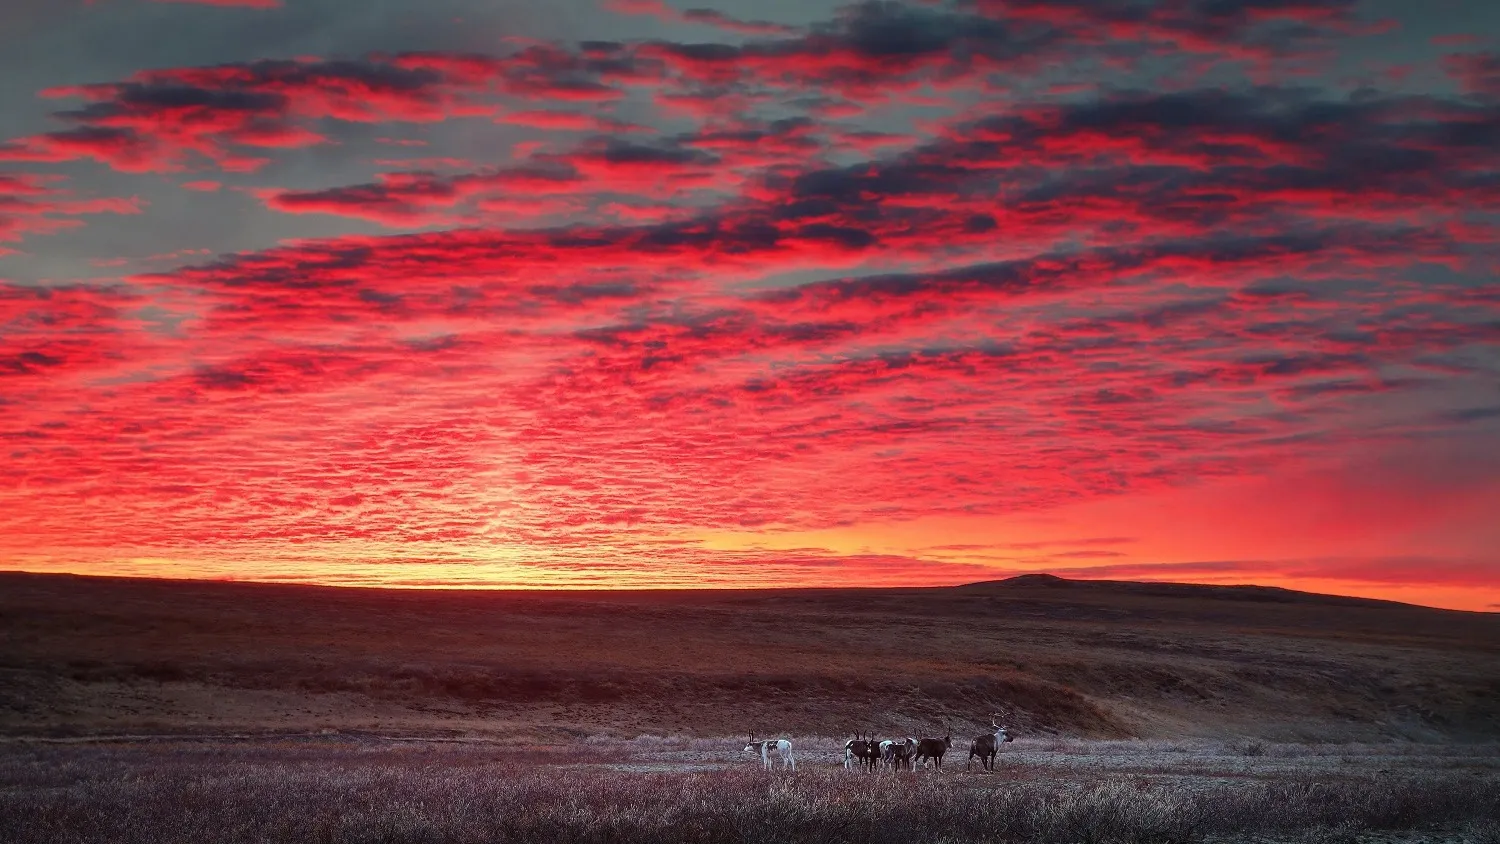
(773, 292)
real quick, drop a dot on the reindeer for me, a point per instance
(933, 748)
(781, 746)
(987, 746)
(897, 754)
(866, 750)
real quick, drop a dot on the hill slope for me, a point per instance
(1095, 658)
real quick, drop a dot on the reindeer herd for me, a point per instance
(894, 754)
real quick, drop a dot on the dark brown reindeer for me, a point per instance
(866, 751)
(987, 746)
(898, 754)
(933, 748)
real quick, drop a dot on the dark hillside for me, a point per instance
(1104, 659)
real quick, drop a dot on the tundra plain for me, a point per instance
(175, 711)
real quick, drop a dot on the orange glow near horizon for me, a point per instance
(1453, 598)
(1301, 530)
(1180, 536)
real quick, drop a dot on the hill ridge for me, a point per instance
(1214, 591)
(82, 655)
(1030, 580)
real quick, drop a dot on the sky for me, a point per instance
(511, 293)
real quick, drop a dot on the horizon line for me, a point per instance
(553, 589)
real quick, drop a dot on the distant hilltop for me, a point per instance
(1246, 592)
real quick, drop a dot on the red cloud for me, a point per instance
(1246, 28)
(872, 50)
(421, 198)
(1479, 73)
(161, 119)
(120, 149)
(568, 121)
(709, 17)
(248, 4)
(31, 205)
(49, 336)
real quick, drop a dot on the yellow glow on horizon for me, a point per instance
(1220, 532)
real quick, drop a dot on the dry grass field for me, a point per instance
(142, 711)
(702, 790)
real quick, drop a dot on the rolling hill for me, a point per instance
(93, 656)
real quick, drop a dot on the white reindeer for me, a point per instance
(782, 747)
